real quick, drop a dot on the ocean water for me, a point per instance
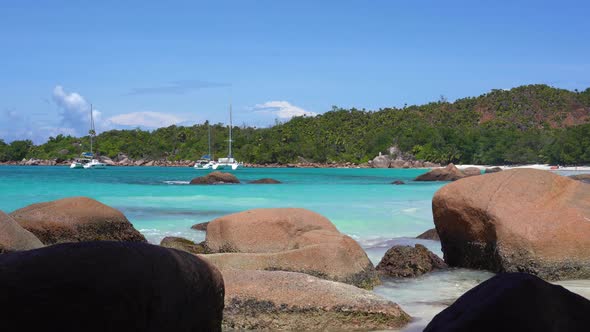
(159, 202)
(360, 202)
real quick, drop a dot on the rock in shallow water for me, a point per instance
(76, 219)
(515, 302)
(277, 300)
(430, 234)
(216, 178)
(471, 171)
(109, 286)
(449, 173)
(521, 220)
(585, 178)
(288, 239)
(200, 226)
(15, 238)
(265, 181)
(493, 170)
(407, 261)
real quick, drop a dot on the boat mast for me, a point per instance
(91, 132)
(209, 140)
(230, 129)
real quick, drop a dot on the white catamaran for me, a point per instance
(229, 161)
(84, 159)
(94, 163)
(206, 161)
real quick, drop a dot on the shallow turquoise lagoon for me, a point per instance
(158, 201)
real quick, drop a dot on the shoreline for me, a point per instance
(347, 165)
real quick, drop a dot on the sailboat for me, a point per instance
(94, 163)
(79, 163)
(206, 161)
(229, 161)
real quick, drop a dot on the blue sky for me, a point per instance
(154, 63)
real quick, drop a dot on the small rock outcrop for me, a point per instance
(471, 171)
(278, 300)
(200, 226)
(76, 219)
(184, 245)
(520, 220)
(216, 178)
(107, 161)
(288, 239)
(398, 182)
(109, 286)
(430, 234)
(382, 161)
(493, 170)
(15, 238)
(407, 261)
(265, 181)
(428, 164)
(515, 302)
(581, 177)
(449, 173)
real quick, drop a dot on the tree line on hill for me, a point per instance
(528, 124)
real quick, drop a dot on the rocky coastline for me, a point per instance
(291, 269)
(179, 163)
(191, 163)
(394, 159)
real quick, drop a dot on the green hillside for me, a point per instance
(527, 124)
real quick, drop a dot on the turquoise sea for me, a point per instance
(360, 202)
(158, 201)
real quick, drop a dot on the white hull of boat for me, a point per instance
(76, 165)
(205, 164)
(95, 164)
(204, 167)
(232, 166)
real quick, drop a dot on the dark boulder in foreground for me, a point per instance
(430, 234)
(581, 177)
(266, 181)
(449, 173)
(398, 182)
(15, 238)
(184, 245)
(515, 302)
(76, 219)
(200, 226)
(109, 286)
(407, 261)
(521, 220)
(216, 178)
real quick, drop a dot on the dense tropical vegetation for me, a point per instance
(528, 124)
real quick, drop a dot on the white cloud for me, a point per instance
(75, 112)
(282, 109)
(74, 119)
(75, 115)
(145, 119)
